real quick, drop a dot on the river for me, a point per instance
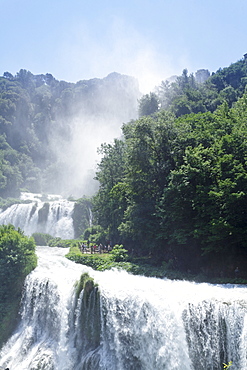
(134, 323)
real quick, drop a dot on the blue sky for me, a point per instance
(148, 39)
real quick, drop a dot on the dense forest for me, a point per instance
(175, 186)
(172, 187)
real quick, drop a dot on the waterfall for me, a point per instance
(52, 216)
(127, 323)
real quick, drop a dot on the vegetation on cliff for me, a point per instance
(39, 117)
(172, 188)
(17, 260)
(176, 188)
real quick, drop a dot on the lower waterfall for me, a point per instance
(128, 322)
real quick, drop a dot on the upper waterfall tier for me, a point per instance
(53, 216)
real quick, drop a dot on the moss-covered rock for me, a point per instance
(43, 213)
(89, 319)
(86, 283)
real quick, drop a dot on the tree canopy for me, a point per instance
(203, 92)
(180, 188)
(36, 109)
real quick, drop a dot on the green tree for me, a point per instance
(182, 192)
(202, 209)
(149, 143)
(82, 216)
(148, 104)
(109, 202)
(181, 106)
(17, 259)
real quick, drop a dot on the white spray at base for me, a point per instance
(128, 323)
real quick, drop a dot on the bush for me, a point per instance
(92, 260)
(96, 234)
(17, 260)
(8, 202)
(119, 254)
(62, 243)
(81, 215)
(42, 238)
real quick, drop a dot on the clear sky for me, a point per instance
(149, 39)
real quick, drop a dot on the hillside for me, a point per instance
(50, 129)
(174, 188)
(203, 92)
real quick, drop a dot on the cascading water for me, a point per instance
(41, 340)
(128, 323)
(52, 217)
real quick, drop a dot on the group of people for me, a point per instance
(94, 248)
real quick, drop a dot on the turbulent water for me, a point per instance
(134, 323)
(56, 220)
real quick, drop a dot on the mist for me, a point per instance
(112, 101)
(78, 157)
(121, 48)
(132, 55)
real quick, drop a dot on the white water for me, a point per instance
(146, 323)
(26, 216)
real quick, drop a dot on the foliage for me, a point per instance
(8, 202)
(35, 109)
(82, 216)
(182, 190)
(17, 260)
(109, 203)
(148, 104)
(96, 235)
(17, 254)
(189, 94)
(119, 254)
(93, 260)
(173, 187)
(62, 243)
(42, 238)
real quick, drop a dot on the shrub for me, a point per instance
(92, 260)
(42, 238)
(96, 234)
(119, 254)
(62, 243)
(17, 260)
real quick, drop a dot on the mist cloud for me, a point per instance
(95, 116)
(78, 156)
(123, 50)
